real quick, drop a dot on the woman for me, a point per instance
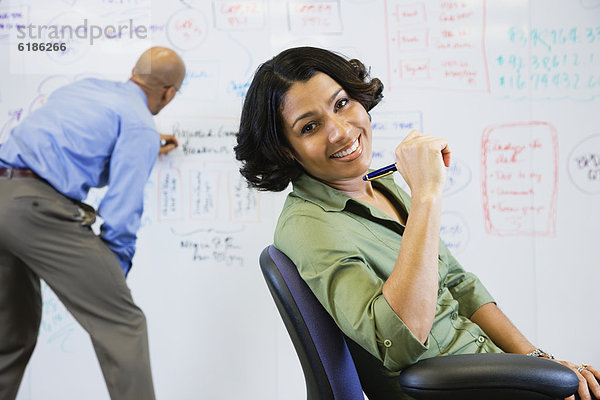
(371, 254)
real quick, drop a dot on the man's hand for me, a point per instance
(167, 143)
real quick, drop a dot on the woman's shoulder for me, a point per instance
(304, 221)
(298, 210)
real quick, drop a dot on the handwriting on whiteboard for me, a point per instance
(206, 192)
(550, 63)
(436, 44)
(520, 179)
(11, 19)
(216, 246)
(199, 141)
(200, 180)
(584, 165)
(187, 29)
(201, 81)
(239, 15)
(454, 231)
(313, 17)
(458, 176)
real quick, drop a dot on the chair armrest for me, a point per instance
(488, 376)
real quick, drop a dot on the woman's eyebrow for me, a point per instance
(332, 98)
(308, 114)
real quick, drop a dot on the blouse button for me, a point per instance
(387, 343)
(481, 339)
(454, 315)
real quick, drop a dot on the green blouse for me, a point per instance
(345, 250)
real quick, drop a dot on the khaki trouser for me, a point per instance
(45, 235)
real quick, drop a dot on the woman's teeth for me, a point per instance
(343, 153)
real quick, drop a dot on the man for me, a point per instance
(90, 133)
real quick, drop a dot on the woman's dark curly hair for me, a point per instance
(261, 142)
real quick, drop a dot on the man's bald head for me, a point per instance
(159, 72)
(158, 67)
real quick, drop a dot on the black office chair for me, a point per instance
(326, 356)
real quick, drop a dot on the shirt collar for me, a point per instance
(329, 199)
(134, 88)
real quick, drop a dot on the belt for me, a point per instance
(18, 172)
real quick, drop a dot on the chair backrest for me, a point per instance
(328, 368)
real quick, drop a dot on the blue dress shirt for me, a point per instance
(93, 133)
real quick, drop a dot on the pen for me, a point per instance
(163, 142)
(378, 173)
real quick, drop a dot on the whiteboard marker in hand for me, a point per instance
(167, 143)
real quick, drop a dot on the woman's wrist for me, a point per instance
(540, 353)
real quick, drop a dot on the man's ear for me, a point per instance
(170, 93)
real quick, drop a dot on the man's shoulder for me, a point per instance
(92, 82)
(93, 89)
(122, 98)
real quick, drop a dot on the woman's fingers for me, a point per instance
(592, 375)
(583, 390)
(420, 159)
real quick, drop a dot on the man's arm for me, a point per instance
(131, 162)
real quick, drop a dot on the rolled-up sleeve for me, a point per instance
(348, 288)
(465, 287)
(398, 347)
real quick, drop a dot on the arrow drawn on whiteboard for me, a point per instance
(209, 230)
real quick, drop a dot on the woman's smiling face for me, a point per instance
(329, 133)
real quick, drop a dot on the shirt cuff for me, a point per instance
(125, 263)
(398, 346)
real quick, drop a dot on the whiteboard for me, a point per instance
(513, 84)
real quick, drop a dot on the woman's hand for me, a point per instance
(588, 380)
(421, 159)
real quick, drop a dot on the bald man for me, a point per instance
(91, 133)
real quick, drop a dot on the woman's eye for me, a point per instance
(341, 103)
(308, 127)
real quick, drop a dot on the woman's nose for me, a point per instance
(339, 129)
